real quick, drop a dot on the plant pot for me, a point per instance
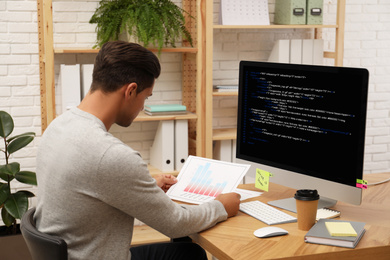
(13, 246)
(125, 36)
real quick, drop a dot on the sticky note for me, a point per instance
(362, 184)
(361, 181)
(262, 179)
(340, 229)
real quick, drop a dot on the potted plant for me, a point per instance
(150, 22)
(13, 205)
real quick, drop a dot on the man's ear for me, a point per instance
(131, 90)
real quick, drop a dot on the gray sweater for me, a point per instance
(91, 186)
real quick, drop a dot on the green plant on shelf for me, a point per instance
(157, 23)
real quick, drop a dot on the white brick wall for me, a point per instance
(367, 44)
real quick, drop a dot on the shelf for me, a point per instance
(224, 134)
(224, 94)
(89, 50)
(142, 117)
(276, 26)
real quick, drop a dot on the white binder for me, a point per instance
(162, 150)
(318, 52)
(234, 148)
(296, 51)
(223, 150)
(181, 143)
(280, 52)
(307, 51)
(69, 84)
(86, 78)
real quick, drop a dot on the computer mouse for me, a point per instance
(270, 232)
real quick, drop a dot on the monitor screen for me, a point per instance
(307, 120)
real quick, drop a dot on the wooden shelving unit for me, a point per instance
(226, 134)
(192, 61)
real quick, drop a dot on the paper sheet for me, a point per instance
(201, 179)
(247, 194)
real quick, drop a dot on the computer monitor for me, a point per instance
(305, 125)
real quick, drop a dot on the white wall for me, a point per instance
(367, 44)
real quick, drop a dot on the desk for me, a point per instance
(234, 239)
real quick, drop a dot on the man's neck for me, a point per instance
(102, 105)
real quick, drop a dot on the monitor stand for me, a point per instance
(289, 203)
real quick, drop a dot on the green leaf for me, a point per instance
(17, 136)
(19, 143)
(9, 171)
(6, 217)
(6, 124)
(4, 192)
(17, 204)
(27, 193)
(26, 177)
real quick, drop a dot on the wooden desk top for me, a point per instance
(234, 239)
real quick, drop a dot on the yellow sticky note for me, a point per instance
(340, 229)
(262, 179)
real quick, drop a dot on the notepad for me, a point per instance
(340, 229)
(327, 213)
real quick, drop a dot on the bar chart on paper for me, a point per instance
(202, 180)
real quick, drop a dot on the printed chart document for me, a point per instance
(201, 179)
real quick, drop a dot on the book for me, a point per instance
(165, 113)
(327, 213)
(225, 88)
(319, 234)
(340, 229)
(165, 108)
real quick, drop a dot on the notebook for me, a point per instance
(319, 234)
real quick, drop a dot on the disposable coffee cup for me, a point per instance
(307, 202)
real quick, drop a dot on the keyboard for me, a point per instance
(265, 213)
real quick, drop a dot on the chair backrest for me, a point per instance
(41, 246)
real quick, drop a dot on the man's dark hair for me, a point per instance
(119, 63)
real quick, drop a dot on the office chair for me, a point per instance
(41, 246)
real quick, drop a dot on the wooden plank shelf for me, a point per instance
(90, 50)
(142, 117)
(276, 26)
(225, 94)
(224, 134)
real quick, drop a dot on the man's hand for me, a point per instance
(231, 202)
(165, 181)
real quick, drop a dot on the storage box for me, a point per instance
(290, 12)
(314, 12)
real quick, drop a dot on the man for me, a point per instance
(92, 186)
